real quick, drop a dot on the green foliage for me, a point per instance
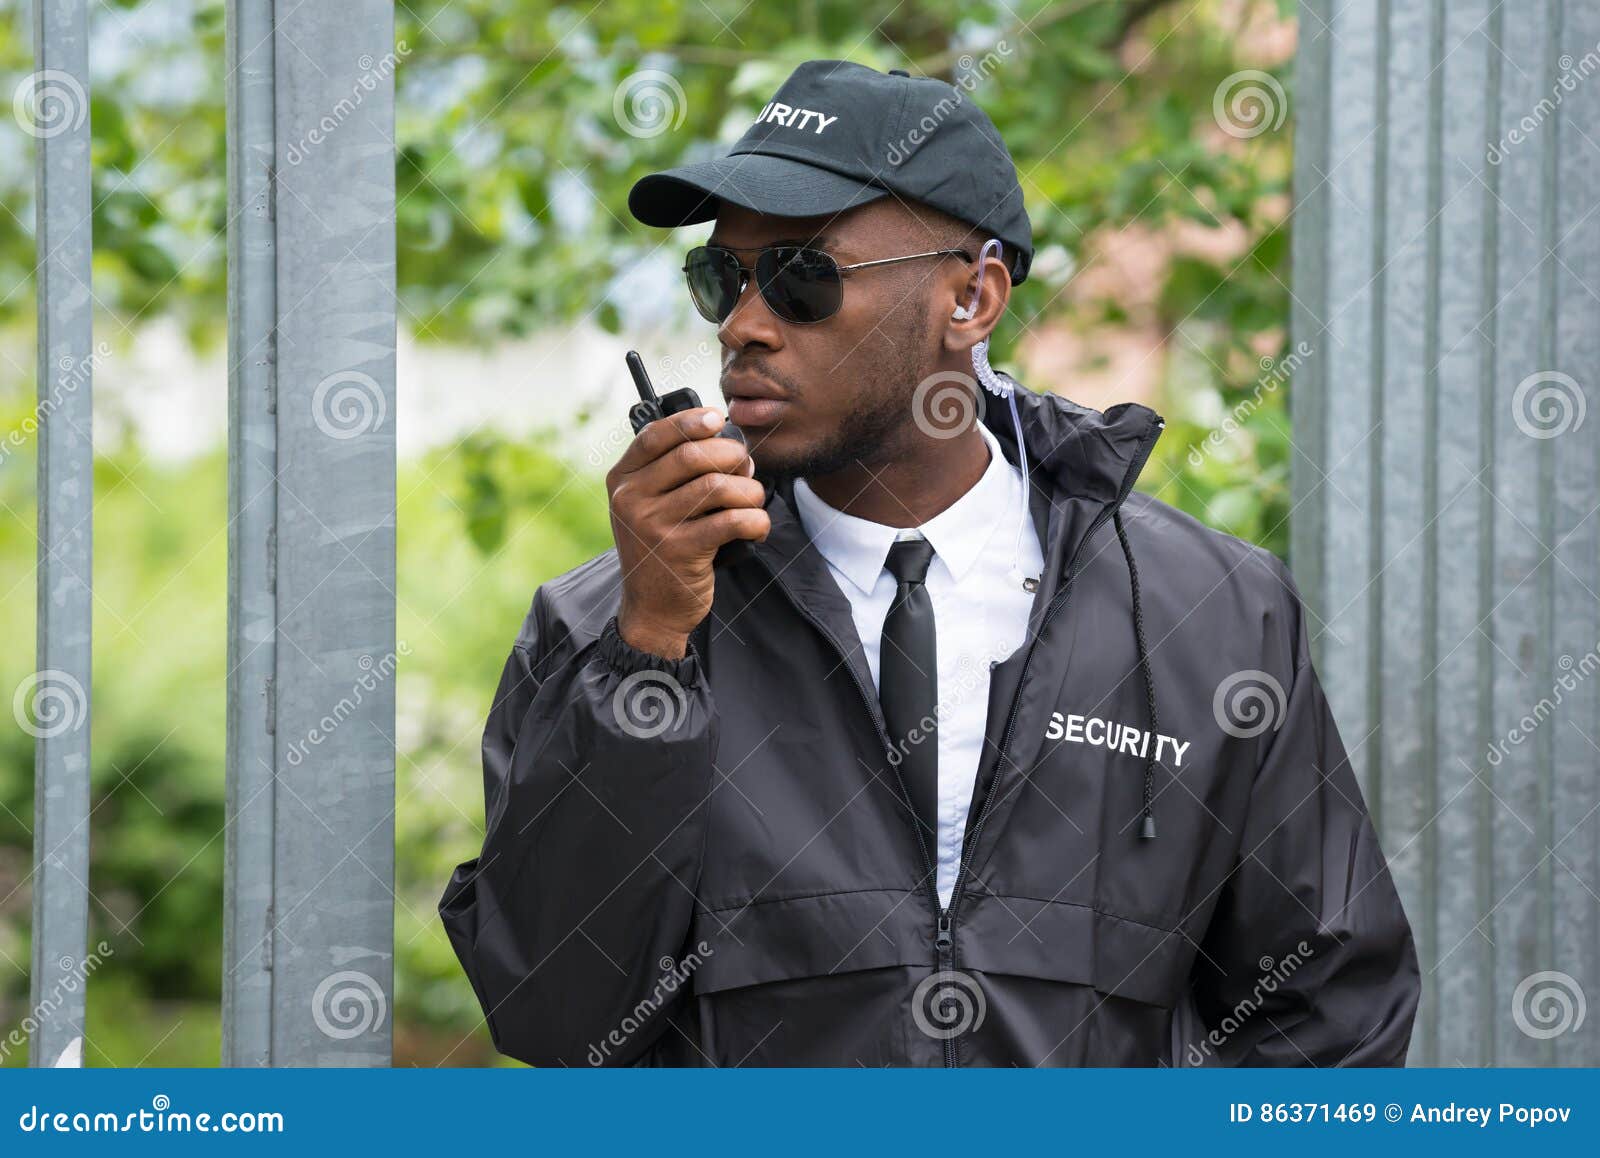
(155, 833)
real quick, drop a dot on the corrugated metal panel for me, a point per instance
(312, 604)
(56, 114)
(253, 512)
(1447, 478)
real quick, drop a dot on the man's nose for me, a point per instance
(750, 322)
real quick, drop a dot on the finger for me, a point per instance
(663, 434)
(709, 532)
(709, 492)
(689, 460)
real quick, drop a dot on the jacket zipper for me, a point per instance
(945, 936)
(944, 917)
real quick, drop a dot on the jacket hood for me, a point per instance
(1075, 450)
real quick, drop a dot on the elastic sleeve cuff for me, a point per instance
(626, 659)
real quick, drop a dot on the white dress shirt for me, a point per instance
(984, 547)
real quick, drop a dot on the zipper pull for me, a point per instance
(943, 939)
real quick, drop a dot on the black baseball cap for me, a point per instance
(837, 135)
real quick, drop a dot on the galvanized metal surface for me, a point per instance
(1447, 479)
(312, 605)
(58, 692)
(252, 513)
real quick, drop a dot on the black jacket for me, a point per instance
(709, 861)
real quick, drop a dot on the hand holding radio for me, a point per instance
(681, 490)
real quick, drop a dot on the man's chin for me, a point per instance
(777, 453)
(790, 450)
(778, 464)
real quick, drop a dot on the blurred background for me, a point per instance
(1154, 146)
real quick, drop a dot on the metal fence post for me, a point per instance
(309, 921)
(1447, 281)
(58, 716)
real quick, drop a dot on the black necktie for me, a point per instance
(908, 679)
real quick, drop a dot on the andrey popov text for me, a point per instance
(1450, 1113)
(1481, 1115)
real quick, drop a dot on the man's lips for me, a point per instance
(745, 410)
(754, 403)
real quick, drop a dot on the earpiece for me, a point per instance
(964, 312)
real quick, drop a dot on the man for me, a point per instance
(914, 742)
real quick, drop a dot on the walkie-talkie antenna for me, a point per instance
(641, 380)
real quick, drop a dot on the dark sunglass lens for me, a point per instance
(713, 276)
(801, 285)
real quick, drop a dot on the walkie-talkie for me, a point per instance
(651, 407)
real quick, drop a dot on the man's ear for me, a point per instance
(986, 293)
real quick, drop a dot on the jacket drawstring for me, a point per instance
(1147, 828)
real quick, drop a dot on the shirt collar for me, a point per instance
(960, 533)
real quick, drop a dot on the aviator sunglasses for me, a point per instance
(800, 284)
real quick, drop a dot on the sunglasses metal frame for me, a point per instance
(746, 273)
